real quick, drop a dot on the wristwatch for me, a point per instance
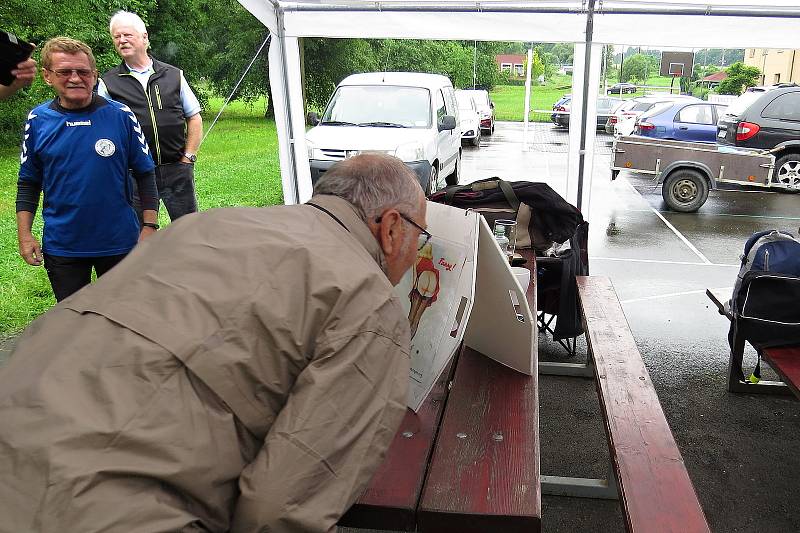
(150, 225)
(190, 157)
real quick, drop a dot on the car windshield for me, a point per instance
(465, 101)
(379, 105)
(641, 107)
(738, 106)
(604, 105)
(626, 105)
(481, 97)
(657, 109)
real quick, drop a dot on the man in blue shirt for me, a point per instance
(77, 149)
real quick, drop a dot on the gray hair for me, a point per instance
(372, 182)
(129, 19)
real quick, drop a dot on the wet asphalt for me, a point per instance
(742, 451)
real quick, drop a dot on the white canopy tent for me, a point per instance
(590, 24)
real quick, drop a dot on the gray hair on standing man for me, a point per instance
(129, 19)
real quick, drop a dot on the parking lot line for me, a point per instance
(674, 295)
(659, 261)
(691, 246)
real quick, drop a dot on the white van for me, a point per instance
(409, 115)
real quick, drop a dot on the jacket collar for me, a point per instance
(156, 65)
(349, 217)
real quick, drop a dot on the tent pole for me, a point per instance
(586, 95)
(287, 104)
(527, 98)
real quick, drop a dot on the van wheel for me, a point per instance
(685, 190)
(453, 178)
(788, 172)
(433, 184)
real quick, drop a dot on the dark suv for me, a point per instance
(768, 119)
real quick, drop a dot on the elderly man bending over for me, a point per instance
(243, 370)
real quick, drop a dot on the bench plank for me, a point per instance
(484, 473)
(390, 500)
(786, 362)
(655, 489)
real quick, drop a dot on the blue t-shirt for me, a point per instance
(80, 159)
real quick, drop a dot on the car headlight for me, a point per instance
(413, 151)
(312, 150)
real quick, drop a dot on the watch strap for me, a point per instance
(150, 225)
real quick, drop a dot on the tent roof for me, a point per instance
(677, 23)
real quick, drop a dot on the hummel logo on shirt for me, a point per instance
(79, 123)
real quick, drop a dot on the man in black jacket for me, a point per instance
(166, 108)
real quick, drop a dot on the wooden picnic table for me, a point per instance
(468, 461)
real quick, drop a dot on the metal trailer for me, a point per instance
(687, 171)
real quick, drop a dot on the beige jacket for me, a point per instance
(243, 370)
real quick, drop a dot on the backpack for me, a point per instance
(543, 217)
(765, 305)
(773, 251)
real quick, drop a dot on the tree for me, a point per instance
(564, 52)
(37, 21)
(636, 69)
(739, 77)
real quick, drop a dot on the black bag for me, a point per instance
(543, 216)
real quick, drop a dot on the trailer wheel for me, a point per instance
(685, 190)
(788, 172)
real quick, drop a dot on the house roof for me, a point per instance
(717, 76)
(510, 58)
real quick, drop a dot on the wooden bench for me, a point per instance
(648, 473)
(468, 461)
(785, 361)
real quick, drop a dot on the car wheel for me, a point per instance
(433, 180)
(453, 178)
(685, 190)
(788, 172)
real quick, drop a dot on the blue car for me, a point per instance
(692, 121)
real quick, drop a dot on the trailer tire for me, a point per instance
(787, 172)
(685, 190)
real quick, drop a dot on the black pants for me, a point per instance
(175, 183)
(69, 274)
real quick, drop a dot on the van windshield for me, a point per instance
(379, 105)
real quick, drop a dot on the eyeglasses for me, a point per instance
(66, 73)
(424, 236)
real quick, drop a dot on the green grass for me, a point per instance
(237, 166)
(509, 100)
